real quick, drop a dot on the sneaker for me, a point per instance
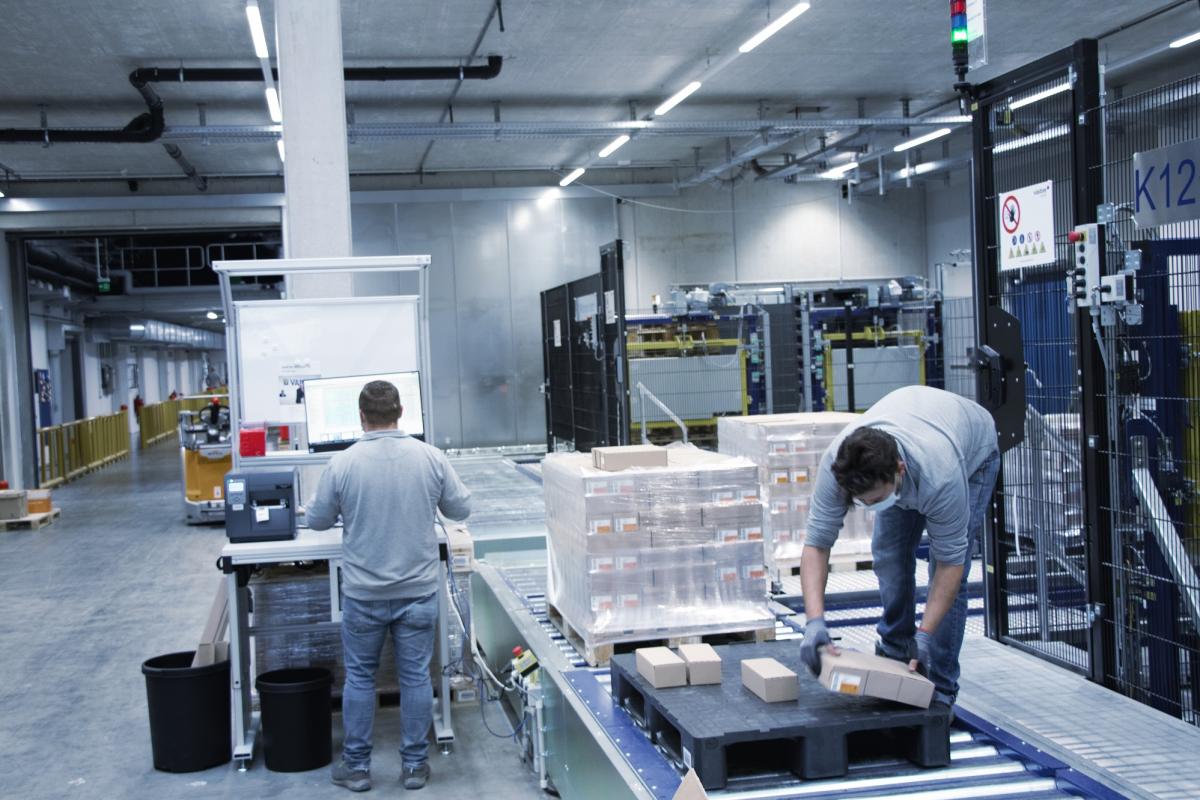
(415, 777)
(356, 780)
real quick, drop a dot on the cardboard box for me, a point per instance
(462, 548)
(869, 675)
(770, 680)
(13, 504)
(38, 501)
(612, 459)
(703, 664)
(662, 668)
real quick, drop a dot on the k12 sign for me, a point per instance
(1166, 184)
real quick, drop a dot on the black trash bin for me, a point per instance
(189, 712)
(297, 718)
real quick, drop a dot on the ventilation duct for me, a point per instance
(152, 331)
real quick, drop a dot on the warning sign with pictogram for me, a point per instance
(1026, 226)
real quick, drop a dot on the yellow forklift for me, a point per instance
(206, 450)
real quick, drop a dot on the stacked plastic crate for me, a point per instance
(787, 449)
(656, 552)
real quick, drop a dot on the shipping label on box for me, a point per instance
(624, 486)
(752, 534)
(800, 475)
(630, 600)
(755, 572)
(627, 563)
(602, 564)
(724, 496)
(780, 477)
(594, 487)
(780, 506)
(600, 527)
(601, 603)
(727, 574)
(749, 496)
(628, 524)
(729, 535)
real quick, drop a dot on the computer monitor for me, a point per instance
(331, 408)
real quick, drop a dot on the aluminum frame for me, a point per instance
(291, 267)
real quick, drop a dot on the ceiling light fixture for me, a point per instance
(254, 17)
(549, 196)
(837, 173)
(677, 98)
(212, 315)
(575, 174)
(137, 327)
(920, 140)
(273, 104)
(1185, 41)
(279, 147)
(1, 194)
(614, 145)
(919, 169)
(1034, 138)
(774, 28)
(1040, 96)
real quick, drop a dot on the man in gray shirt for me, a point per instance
(924, 460)
(387, 488)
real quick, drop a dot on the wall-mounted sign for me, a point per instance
(1166, 185)
(1026, 226)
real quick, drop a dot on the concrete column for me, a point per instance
(316, 174)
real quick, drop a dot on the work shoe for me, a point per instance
(940, 706)
(356, 780)
(415, 777)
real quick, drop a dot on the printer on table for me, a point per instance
(260, 505)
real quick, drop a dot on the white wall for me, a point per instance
(771, 231)
(948, 228)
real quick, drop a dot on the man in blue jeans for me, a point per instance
(924, 460)
(387, 487)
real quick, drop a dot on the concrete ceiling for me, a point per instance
(565, 60)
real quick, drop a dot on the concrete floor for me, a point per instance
(118, 579)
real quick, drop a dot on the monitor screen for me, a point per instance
(331, 408)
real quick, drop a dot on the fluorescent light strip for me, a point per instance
(548, 197)
(1042, 95)
(615, 145)
(677, 98)
(774, 28)
(1185, 41)
(920, 140)
(1035, 138)
(273, 105)
(137, 327)
(279, 147)
(575, 174)
(254, 17)
(1, 194)
(919, 169)
(212, 315)
(838, 172)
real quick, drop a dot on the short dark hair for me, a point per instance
(379, 401)
(865, 459)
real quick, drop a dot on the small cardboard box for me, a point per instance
(703, 664)
(770, 680)
(462, 548)
(38, 501)
(868, 675)
(662, 668)
(13, 504)
(612, 459)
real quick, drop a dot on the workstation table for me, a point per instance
(237, 562)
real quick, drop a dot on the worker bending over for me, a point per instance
(923, 460)
(387, 487)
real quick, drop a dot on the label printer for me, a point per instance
(260, 505)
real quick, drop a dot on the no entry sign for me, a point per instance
(1026, 226)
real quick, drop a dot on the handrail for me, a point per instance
(72, 449)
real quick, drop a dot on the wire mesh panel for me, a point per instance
(1040, 593)
(958, 332)
(1152, 346)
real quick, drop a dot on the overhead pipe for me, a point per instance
(60, 263)
(200, 182)
(148, 127)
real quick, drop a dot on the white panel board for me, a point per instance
(320, 338)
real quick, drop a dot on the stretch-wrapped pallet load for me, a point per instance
(656, 552)
(787, 449)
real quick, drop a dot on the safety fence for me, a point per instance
(160, 421)
(68, 451)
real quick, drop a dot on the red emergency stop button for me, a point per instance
(1076, 236)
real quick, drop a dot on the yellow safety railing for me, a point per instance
(159, 421)
(74, 448)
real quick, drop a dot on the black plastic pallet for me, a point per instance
(726, 729)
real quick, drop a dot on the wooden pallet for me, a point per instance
(32, 522)
(598, 654)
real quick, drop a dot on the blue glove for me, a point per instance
(816, 635)
(922, 642)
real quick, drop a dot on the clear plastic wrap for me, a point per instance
(787, 448)
(656, 552)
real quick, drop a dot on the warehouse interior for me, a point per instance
(723, 232)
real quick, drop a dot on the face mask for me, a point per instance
(882, 505)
